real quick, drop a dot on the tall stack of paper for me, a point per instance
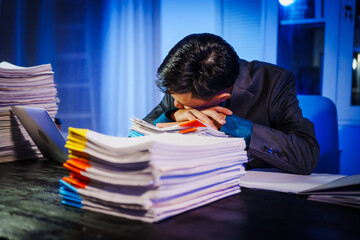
(23, 86)
(152, 177)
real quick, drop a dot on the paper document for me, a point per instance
(193, 127)
(329, 188)
(285, 182)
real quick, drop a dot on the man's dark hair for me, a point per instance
(201, 64)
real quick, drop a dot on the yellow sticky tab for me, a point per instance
(79, 133)
(74, 140)
(76, 147)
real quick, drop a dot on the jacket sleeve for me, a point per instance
(166, 104)
(290, 143)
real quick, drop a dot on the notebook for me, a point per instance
(43, 131)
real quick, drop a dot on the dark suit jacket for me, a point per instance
(266, 95)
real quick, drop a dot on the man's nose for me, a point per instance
(178, 105)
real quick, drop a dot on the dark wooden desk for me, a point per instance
(30, 208)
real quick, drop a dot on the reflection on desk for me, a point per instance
(30, 208)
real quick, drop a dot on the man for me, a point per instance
(203, 78)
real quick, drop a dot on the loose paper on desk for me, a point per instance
(327, 188)
(193, 127)
(285, 182)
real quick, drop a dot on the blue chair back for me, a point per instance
(322, 112)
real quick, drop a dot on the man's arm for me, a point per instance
(166, 104)
(290, 144)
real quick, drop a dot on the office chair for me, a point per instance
(322, 112)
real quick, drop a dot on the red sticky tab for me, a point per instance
(79, 177)
(74, 182)
(193, 123)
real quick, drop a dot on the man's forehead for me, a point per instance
(186, 99)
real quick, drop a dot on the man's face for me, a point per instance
(186, 101)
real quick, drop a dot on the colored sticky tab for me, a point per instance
(79, 159)
(71, 168)
(193, 123)
(67, 186)
(76, 147)
(188, 130)
(78, 164)
(71, 203)
(79, 177)
(74, 182)
(75, 140)
(79, 133)
(77, 154)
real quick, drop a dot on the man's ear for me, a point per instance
(223, 97)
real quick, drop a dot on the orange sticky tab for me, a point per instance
(71, 168)
(78, 164)
(193, 123)
(66, 179)
(74, 182)
(83, 160)
(188, 130)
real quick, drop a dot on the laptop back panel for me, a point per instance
(43, 131)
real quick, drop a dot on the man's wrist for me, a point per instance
(166, 116)
(238, 127)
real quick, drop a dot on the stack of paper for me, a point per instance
(152, 177)
(23, 86)
(193, 127)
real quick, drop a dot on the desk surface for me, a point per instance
(30, 208)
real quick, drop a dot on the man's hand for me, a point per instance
(213, 117)
(167, 124)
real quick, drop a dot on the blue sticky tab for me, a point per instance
(70, 195)
(134, 133)
(71, 203)
(71, 198)
(67, 186)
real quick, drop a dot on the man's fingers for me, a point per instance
(216, 116)
(219, 109)
(211, 116)
(203, 117)
(183, 115)
(166, 124)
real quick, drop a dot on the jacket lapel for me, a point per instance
(241, 97)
